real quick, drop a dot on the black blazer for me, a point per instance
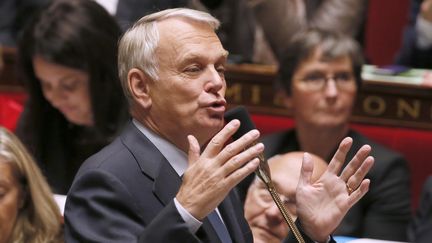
(420, 230)
(125, 192)
(384, 212)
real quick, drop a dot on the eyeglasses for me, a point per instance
(317, 81)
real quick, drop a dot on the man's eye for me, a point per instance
(221, 69)
(193, 69)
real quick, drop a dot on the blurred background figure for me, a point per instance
(13, 15)
(280, 20)
(68, 62)
(259, 30)
(319, 78)
(28, 212)
(420, 229)
(416, 50)
(262, 214)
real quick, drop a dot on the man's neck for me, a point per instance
(178, 139)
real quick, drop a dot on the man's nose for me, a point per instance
(273, 214)
(215, 80)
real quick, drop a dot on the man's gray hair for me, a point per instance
(137, 47)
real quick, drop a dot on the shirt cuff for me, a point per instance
(192, 223)
(424, 33)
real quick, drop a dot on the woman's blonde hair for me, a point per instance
(39, 220)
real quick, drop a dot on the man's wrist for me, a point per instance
(192, 223)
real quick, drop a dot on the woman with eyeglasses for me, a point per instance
(319, 78)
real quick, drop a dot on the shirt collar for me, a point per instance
(176, 157)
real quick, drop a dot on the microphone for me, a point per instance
(263, 171)
(246, 124)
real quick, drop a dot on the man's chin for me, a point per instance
(263, 236)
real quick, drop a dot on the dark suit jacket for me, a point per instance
(125, 193)
(384, 212)
(409, 54)
(420, 230)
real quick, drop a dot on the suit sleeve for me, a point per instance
(388, 201)
(99, 208)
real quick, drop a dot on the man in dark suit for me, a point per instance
(153, 184)
(420, 230)
(320, 77)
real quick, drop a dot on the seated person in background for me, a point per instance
(416, 50)
(262, 214)
(420, 229)
(280, 20)
(28, 212)
(153, 183)
(320, 77)
(68, 61)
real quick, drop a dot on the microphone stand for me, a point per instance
(263, 172)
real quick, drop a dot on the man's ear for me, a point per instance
(139, 86)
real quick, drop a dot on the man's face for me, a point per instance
(325, 103)
(262, 214)
(188, 98)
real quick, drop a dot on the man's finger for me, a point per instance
(338, 159)
(240, 159)
(238, 145)
(241, 173)
(218, 141)
(355, 163)
(194, 149)
(358, 193)
(306, 170)
(354, 180)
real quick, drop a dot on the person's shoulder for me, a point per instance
(386, 159)
(378, 150)
(107, 157)
(278, 142)
(277, 137)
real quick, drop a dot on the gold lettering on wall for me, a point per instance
(374, 105)
(278, 100)
(234, 93)
(403, 107)
(255, 94)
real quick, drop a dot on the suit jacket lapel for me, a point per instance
(152, 163)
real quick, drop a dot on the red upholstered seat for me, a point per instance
(11, 106)
(415, 145)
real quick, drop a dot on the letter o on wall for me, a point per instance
(374, 105)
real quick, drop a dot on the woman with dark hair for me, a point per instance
(68, 61)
